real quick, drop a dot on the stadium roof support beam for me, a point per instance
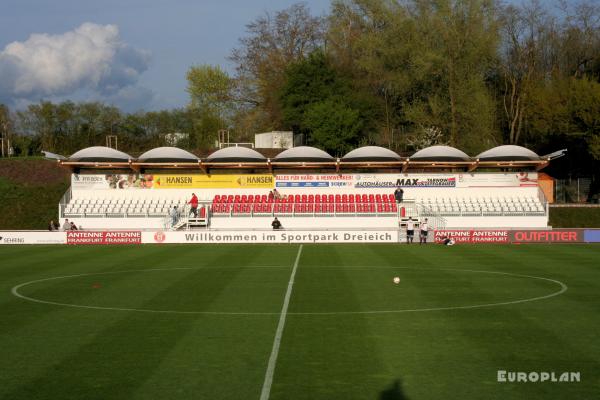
(405, 165)
(473, 166)
(202, 167)
(339, 166)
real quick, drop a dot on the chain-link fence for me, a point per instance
(576, 190)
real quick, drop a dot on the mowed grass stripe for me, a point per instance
(450, 354)
(320, 355)
(446, 354)
(77, 365)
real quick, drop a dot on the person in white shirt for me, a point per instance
(410, 230)
(424, 232)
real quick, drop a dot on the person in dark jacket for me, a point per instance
(276, 224)
(398, 194)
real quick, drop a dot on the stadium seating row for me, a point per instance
(310, 198)
(303, 208)
(308, 204)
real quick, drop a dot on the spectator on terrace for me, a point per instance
(398, 194)
(74, 227)
(51, 226)
(271, 195)
(194, 205)
(66, 226)
(276, 194)
(276, 224)
(174, 216)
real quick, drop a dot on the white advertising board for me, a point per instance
(22, 237)
(302, 181)
(283, 236)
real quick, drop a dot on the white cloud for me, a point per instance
(91, 57)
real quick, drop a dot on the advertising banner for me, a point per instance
(591, 235)
(332, 181)
(518, 236)
(257, 181)
(385, 181)
(473, 236)
(164, 181)
(104, 237)
(315, 181)
(336, 236)
(33, 237)
(547, 236)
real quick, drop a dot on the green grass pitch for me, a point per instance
(199, 322)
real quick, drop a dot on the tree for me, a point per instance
(210, 89)
(315, 81)
(427, 61)
(273, 42)
(334, 126)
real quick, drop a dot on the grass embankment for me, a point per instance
(574, 217)
(30, 190)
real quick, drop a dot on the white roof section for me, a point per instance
(236, 154)
(99, 154)
(372, 153)
(440, 153)
(508, 152)
(166, 154)
(303, 153)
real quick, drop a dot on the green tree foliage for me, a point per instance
(213, 102)
(314, 86)
(567, 108)
(428, 63)
(333, 126)
(273, 41)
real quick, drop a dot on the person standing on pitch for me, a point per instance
(424, 231)
(410, 230)
(194, 205)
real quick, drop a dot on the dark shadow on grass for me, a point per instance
(394, 392)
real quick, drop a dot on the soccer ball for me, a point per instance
(396, 280)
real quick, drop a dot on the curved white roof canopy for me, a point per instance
(439, 153)
(371, 153)
(508, 153)
(302, 154)
(99, 154)
(236, 154)
(167, 154)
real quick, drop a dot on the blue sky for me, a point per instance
(133, 53)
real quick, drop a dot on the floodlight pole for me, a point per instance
(110, 139)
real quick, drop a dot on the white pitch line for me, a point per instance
(266, 389)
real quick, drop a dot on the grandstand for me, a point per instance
(497, 188)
